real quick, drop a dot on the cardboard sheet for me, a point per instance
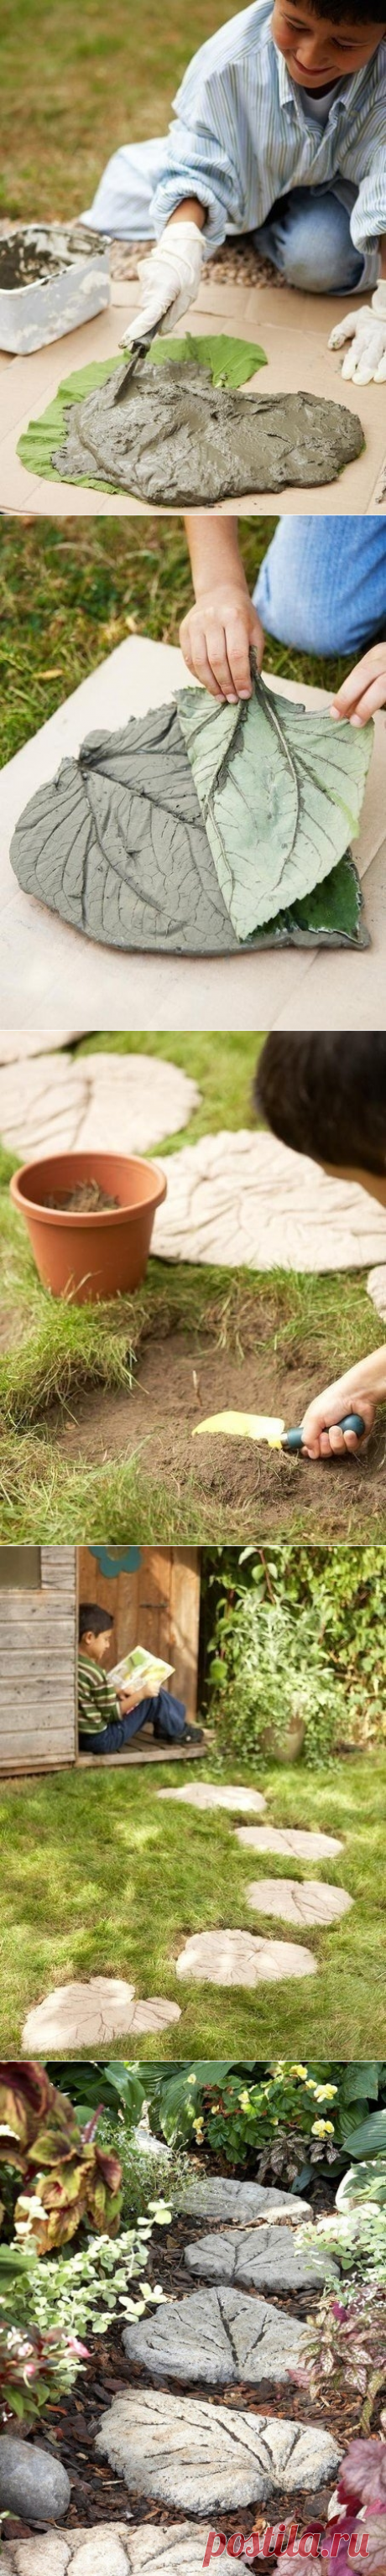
(293, 329)
(48, 974)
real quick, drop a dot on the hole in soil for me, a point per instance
(241, 1485)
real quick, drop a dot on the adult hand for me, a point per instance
(322, 1434)
(365, 689)
(366, 359)
(170, 276)
(216, 640)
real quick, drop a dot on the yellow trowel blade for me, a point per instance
(245, 1426)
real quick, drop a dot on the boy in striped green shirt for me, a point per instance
(110, 1717)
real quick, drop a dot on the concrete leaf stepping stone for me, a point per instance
(105, 2551)
(215, 2336)
(218, 2196)
(290, 1840)
(60, 1103)
(265, 2258)
(20, 1043)
(310, 1902)
(190, 2453)
(203, 1793)
(227, 1958)
(277, 1207)
(87, 2016)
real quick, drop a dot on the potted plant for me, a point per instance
(90, 1219)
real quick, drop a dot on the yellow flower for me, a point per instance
(198, 2126)
(322, 2129)
(298, 2070)
(244, 2101)
(325, 2092)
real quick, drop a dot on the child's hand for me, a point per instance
(128, 1697)
(365, 689)
(366, 329)
(216, 640)
(322, 1435)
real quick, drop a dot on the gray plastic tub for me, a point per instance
(73, 285)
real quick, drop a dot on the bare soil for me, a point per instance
(243, 1486)
(86, 1200)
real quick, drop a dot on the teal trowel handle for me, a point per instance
(351, 1422)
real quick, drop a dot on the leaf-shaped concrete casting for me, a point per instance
(280, 791)
(195, 826)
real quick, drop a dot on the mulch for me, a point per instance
(70, 2426)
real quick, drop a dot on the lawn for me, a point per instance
(82, 1453)
(70, 592)
(97, 1876)
(74, 85)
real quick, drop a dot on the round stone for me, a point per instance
(237, 1959)
(32, 2483)
(296, 1902)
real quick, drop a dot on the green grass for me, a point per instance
(76, 83)
(97, 1876)
(64, 1349)
(69, 592)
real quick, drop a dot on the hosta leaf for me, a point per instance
(230, 362)
(280, 791)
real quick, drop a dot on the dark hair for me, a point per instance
(92, 1619)
(358, 13)
(326, 1096)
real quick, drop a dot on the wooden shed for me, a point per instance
(154, 1595)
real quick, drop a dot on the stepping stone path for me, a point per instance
(216, 2336)
(196, 2456)
(237, 1959)
(295, 1902)
(62, 1104)
(77, 2016)
(183, 2450)
(202, 1793)
(231, 1958)
(261, 2258)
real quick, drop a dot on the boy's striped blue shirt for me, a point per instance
(242, 136)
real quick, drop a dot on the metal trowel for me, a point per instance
(139, 350)
(269, 1427)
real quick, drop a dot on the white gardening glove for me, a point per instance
(366, 360)
(171, 277)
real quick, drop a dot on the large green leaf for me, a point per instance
(280, 791)
(230, 362)
(370, 2138)
(364, 2181)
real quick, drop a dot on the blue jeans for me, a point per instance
(322, 584)
(169, 1719)
(307, 235)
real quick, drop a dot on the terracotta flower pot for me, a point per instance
(291, 1744)
(97, 1253)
